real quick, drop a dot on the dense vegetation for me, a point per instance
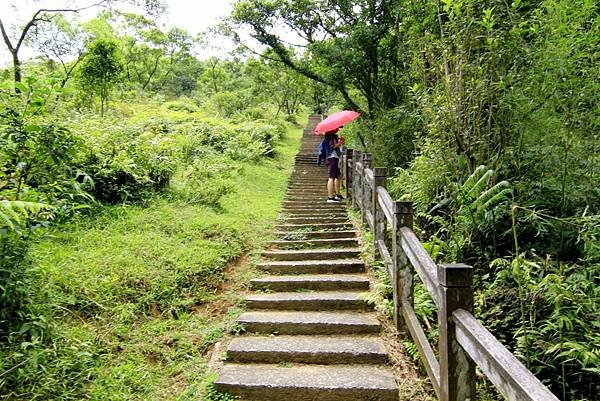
(132, 175)
(127, 167)
(487, 114)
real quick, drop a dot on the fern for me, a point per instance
(492, 197)
(480, 185)
(15, 214)
(477, 174)
(412, 350)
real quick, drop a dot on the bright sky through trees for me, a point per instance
(194, 16)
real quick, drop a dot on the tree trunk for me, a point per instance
(17, 67)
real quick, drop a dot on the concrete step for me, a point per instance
(315, 227)
(314, 266)
(313, 219)
(313, 200)
(323, 350)
(314, 301)
(312, 254)
(314, 193)
(307, 322)
(302, 235)
(304, 205)
(313, 213)
(323, 282)
(305, 195)
(315, 243)
(312, 183)
(308, 382)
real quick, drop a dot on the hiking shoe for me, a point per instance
(339, 197)
(333, 200)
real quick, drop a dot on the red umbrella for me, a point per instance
(336, 120)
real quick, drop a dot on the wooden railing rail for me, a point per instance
(463, 340)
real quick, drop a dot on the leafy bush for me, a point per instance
(181, 105)
(207, 179)
(227, 103)
(546, 312)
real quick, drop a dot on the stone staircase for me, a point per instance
(309, 335)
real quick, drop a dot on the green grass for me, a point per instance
(139, 295)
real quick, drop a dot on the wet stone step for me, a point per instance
(324, 282)
(308, 383)
(325, 350)
(312, 254)
(314, 266)
(314, 227)
(314, 212)
(310, 300)
(313, 219)
(315, 243)
(308, 322)
(303, 205)
(313, 234)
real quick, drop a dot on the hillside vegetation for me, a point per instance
(132, 174)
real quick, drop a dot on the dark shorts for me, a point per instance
(333, 170)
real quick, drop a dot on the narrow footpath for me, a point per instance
(309, 335)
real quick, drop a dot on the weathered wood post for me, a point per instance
(379, 220)
(457, 370)
(365, 195)
(348, 154)
(403, 280)
(357, 157)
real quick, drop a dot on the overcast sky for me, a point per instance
(193, 15)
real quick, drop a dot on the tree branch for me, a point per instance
(35, 18)
(6, 38)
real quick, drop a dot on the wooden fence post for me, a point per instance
(379, 220)
(348, 154)
(403, 280)
(365, 195)
(457, 370)
(357, 156)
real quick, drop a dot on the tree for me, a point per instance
(41, 15)
(101, 70)
(61, 41)
(348, 44)
(45, 15)
(273, 81)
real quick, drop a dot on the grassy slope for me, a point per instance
(137, 291)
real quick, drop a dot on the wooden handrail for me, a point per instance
(463, 341)
(511, 378)
(421, 262)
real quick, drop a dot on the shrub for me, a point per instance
(181, 105)
(208, 179)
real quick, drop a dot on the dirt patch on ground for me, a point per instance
(414, 385)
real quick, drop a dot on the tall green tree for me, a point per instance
(41, 16)
(101, 70)
(348, 44)
(62, 42)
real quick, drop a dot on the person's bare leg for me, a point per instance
(330, 187)
(337, 186)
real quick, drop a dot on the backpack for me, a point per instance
(323, 151)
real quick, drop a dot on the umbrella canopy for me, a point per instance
(335, 121)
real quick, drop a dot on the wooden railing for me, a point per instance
(463, 340)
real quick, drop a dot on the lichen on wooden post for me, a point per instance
(403, 271)
(347, 171)
(365, 195)
(357, 156)
(379, 220)
(457, 370)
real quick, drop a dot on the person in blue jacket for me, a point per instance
(330, 151)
